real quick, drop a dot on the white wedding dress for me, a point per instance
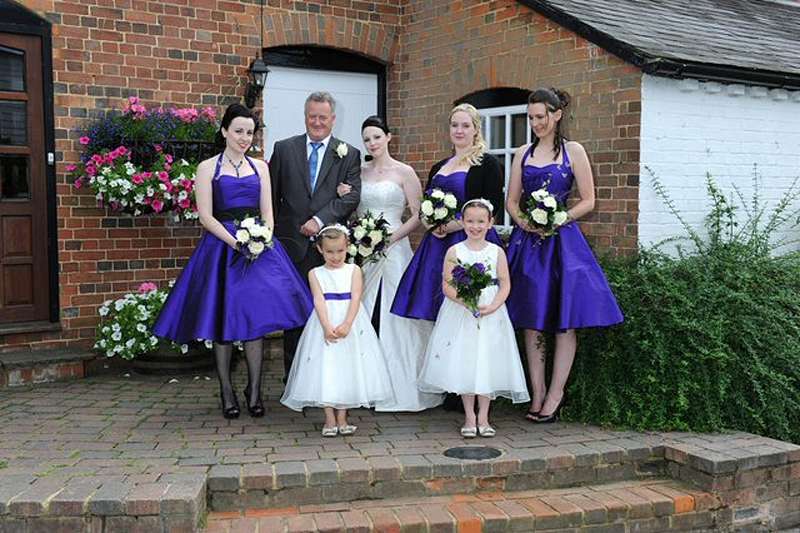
(403, 340)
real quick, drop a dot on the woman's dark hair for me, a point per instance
(376, 122)
(234, 111)
(553, 99)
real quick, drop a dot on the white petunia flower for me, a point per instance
(103, 311)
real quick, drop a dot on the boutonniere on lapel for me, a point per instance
(341, 150)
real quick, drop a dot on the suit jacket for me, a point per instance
(294, 202)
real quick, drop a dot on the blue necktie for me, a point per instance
(312, 164)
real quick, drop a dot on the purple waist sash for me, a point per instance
(336, 295)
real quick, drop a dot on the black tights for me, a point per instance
(253, 352)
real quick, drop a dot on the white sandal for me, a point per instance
(469, 432)
(330, 432)
(347, 429)
(487, 431)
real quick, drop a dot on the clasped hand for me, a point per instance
(333, 335)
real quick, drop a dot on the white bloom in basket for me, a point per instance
(103, 311)
(440, 213)
(437, 193)
(359, 233)
(364, 251)
(550, 202)
(341, 150)
(129, 343)
(560, 217)
(539, 195)
(427, 208)
(352, 250)
(450, 201)
(375, 236)
(539, 216)
(150, 191)
(184, 348)
(141, 328)
(249, 222)
(255, 247)
(119, 304)
(116, 336)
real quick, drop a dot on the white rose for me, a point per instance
(440, 213)
(437, 193)
(242, 236)
(249, 222)
(450, 201)
(256, 231)
(539, 195)
(539, 216)
(364, 251)
(255, 247)
(427, 208)
(359, 233)
(375, 236)
(352, 250)
(341, 150)
(559, 218)
(550, 202)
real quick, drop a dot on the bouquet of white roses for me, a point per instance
(369, 238)
(438, 207)
(543, 211)
(253, 237)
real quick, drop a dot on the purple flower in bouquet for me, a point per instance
(469, 280)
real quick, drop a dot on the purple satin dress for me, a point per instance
(419, 293)
(221, 296)
(556, 283)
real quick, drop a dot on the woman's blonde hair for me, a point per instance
(474, 155)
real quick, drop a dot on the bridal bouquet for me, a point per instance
(438, 207)
(543, 211)
(369, 239)
(469, 279)
(253, 237)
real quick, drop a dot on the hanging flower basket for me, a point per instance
(144, 162)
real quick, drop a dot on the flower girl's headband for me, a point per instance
(483, 201)
(332, 227)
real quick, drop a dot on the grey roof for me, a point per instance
(747, 37)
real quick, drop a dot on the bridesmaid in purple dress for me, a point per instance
(470, 173)
(556, 283)
(220, 295)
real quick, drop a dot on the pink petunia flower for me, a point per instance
(147, 286)
(71, 168)
(185, 203)
(84, 140)
(78, 183)
(137, 179)
(157, 205)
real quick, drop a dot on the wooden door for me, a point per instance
(24, 289)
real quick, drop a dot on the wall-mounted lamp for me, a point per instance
(258, 79)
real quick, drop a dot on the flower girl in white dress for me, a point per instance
(475, 355)
(339, 364)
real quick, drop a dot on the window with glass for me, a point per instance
(505, 129)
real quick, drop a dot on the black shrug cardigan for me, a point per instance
(483, 181)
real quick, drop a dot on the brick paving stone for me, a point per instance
(353, 470)
(411, 519)
(290, 474)
(415, 467)
(571, 514)
(73, 499)
(323, 472)
(520, 518)
(438, 518)
(109, 499)
(300, 524)
(385, 468)
(493, 518)
(593, 512)
(256, 476)
(11, 486)
(33, 500)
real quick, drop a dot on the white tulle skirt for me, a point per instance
(468, 355)
(349, 373)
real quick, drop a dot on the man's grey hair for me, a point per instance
(322, 97)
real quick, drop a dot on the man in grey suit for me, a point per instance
(305, 171)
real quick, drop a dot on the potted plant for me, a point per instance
(125, 330)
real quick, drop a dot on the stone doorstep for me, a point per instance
(180, 502)
(27, 367)
(651, 505)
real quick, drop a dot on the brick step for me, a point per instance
(27, 367)
(650, 505)
(314, 481)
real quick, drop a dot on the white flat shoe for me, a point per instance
(469, 432)
(347, 430)
(487, 431)
(330, 432)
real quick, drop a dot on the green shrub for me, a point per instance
(711, 338)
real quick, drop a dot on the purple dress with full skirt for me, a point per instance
(223, 297)
(419, 293)
(556, 283)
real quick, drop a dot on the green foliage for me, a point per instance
(711, 339)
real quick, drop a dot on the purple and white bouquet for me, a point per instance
(469, 279)
(543, 211)
(369, 238)
(437, 207)
(253, 237)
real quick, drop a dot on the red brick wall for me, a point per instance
(196, 53)
(451, 49)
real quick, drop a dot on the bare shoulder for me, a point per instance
(575, 148)
(261, 166)
(407, 171)
(522, 149)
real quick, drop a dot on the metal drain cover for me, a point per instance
(473, 453)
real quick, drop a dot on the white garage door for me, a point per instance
(285, 93)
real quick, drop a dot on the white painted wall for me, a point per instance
(286, 91)
(690, 128)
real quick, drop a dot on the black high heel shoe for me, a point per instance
(552, 417)
(256, 410)
(231, 412)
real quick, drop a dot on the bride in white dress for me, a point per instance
(388, 186)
